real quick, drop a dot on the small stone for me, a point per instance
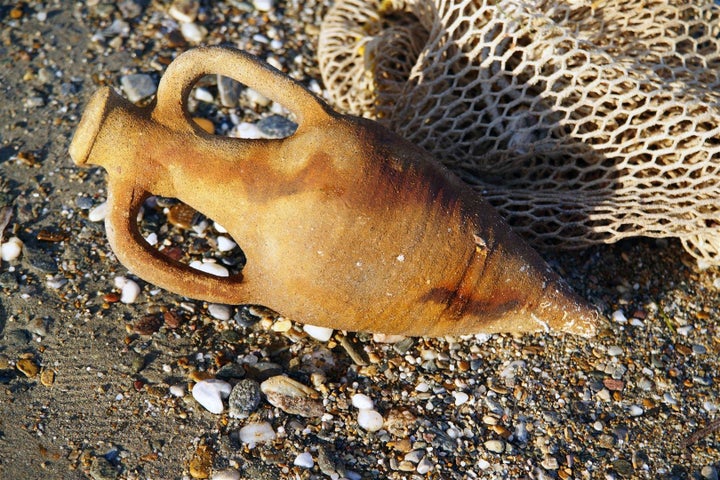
(219, 312)
(229, 474)
(292, 397)
(38, 326)
(203, 95)
(495, 446)
(370, 420)
(424, 466)
(184, 10)
(11, 249)
(210, 267)
(102, 469)
(304, 460)
(40, 260)
(254, 433)
(201, 462)
(225, 244)
(47, 377)
(460, 398)
(635, 410)
(321, 334)
(99, 213)
(362, 401)
(138, 86)
(210, 393)
(192, 32)
(623, 468)
(276, 126)
(229, 91)
(618, 316)
(263, 5)
(246, 130)
(147, 324)
(614, 351)
(129, 289)
(181, 216)
(36, 101)
(28, 367)
(130, 8)
(230, 371)
(550, 463)
(244, 398)
(385, 338)
(207, 125)
(709, 472)
(177, 391)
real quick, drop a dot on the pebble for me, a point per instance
(635, 410)
(370, 420)
(11, 249)
(229, 91)
(177, 391)
(40, 260)
(129, 289)
(102, 469)
(219, 312)
(201, 462)
(229, 474)
(244, 398)
(292, 397)
(709, 472)
(138, 86)
(495, 446)
(47, 376)
(263, 5)
(38, 326)
(424, 466)
(254, 433)
(184, 10)
(210, 267)
(192, 32)
(225, 244)
(304, 460)
(618, 316)
(362, 401)
(550, 463)
(321, 334)
(614, 351)
(28, 367)
(203, 95)
(98, 213)
(460, 398)
(230, 371)
(246, 130)
(210, 393)
(276, 126)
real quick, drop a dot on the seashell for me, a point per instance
(292, 397)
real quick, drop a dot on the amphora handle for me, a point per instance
(180, 76)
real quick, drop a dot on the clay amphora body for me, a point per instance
(343, 224)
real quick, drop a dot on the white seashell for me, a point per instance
(99, 212)
(11, 249)
(254, 433)
(321, 334)
(370, 420)
(210, 393)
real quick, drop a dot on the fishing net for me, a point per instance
(582, 122)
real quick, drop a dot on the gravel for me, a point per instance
(637, 401)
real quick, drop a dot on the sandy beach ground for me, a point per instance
(95, 387)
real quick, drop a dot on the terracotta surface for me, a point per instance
(344, 224)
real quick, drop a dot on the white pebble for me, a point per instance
(495, 446)
(304, 460)
(635, 410)
(229, 474)
(212, 268)
(362, 401)
(209, 393)
(460, 398)
(225, 244)
(614, 350)
(177, 390)
(11, 249)
(219, 228)
(99, 212)
(424, 466)
(247, 130)
(263, 5)
(255, 433)
(204, 95)
(129, 291)
(256, 98)
(370, 420)
(152, 239)
(192, 32)
(322, 334)
(618, 316)
(219, 312)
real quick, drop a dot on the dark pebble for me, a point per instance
(8, 280)
(263, 370)
(230, 371)
(40, 260)
(276, 126)
(84, 203)
(244, 318)
(244, 398)
(404, 345)
(623, 468)
(102, 469)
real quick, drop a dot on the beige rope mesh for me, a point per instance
(583, 122)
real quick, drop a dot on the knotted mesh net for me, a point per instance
(583, 122)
